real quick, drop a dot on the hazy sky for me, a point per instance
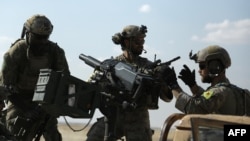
(174, 29)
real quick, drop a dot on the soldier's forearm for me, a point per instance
(196, 90)
(176, 92)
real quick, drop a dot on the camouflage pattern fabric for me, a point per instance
(217, 99)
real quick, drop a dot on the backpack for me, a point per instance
(242, 98)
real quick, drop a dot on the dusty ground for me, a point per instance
(69, 135)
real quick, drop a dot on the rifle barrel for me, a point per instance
(169, 62)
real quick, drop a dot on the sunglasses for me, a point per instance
(202, 66)
(39, 37)
(139, 41)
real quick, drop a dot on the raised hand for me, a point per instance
(187, 76)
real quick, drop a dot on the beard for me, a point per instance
(207, 79)
(137, 50)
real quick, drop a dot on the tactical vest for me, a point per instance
(139, 61)
(242, 98)
(30, 65)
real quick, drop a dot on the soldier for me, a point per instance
(219, 98)
(20, 71)
(134, 124)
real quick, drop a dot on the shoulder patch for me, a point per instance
(207, 94)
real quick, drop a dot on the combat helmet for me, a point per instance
(38, 24)
(214, 52)
(215, 58)
(133, 31)
(129, 32)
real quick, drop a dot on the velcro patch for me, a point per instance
(207, 94)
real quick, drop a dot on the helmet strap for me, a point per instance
(27, 38)
(23, 32)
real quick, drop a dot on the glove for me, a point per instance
(170, 77)
(187, 76)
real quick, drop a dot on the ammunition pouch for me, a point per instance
(150, 90)
(152, 101)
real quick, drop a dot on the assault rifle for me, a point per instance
(159, 63)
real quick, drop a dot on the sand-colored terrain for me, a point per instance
(69, 135)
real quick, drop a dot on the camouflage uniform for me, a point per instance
(20, 71)
(216, 99)
(133, 124)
